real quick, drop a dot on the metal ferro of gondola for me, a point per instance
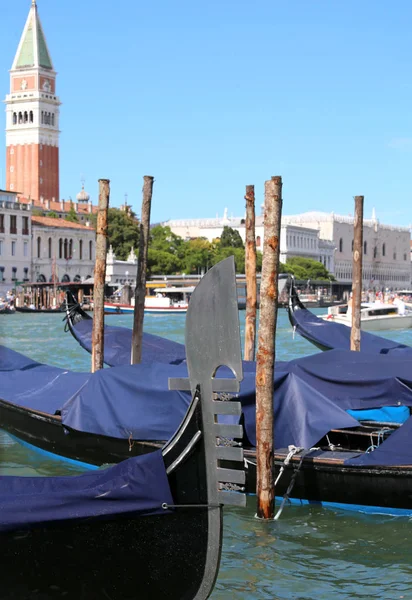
(212, 317)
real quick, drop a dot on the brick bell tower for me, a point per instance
(32, 118)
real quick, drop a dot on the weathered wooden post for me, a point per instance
(265, 360)
(250, 270)
(355, 335)
(140, 291)
(100, 276)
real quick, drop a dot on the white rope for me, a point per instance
(293, 332)
(292, 451)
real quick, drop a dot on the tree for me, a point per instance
(36, 212)
(198, 255)
(72, 215)
(230, 238)
(123, 232)
(307, 268)
(52, 215)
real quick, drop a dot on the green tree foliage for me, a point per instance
(166, 250)
(230, 238)
(306, 268)
(52, 215)
(123, 232)
(72, 215)
(197, 255)
(36, 212)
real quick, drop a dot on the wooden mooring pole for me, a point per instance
(250, 270)
(355, 335)
(265, 359)
(100, 276)
(140, 291)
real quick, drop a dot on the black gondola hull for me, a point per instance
(377, 487)
(124, 558)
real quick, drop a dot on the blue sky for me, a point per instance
(213, 95)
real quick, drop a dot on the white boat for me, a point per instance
(164, 300)
(375, 316)
(168, 300)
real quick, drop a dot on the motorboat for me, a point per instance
(375, 316)
(163, 300)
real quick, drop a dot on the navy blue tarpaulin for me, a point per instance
(138, 485)
(118, 343)
(312, 395)
(336, 336)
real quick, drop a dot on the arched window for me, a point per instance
(52, 119)
(375, 252)
(38, 247)
(90, 250)
(50, 247)
(31, 117)
(383, 249)
(258, 242)
(80, 249)
(65, 278)
(77, 278)
(365, 247)
(66, 249)
(20, 118)
(41, 278)
(394, 254)
(14, 118)
(71, 249)
(26, 116)
(60, 248)
(42, 117)
(352, 245)
(341, 245)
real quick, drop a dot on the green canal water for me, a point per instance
(310, 553)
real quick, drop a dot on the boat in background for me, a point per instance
(164, 300)
(375, 316)
(326, 334)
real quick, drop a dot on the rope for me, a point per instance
(167, 506)
(293, 332)
(292, 451)
(381, 438)
(292, 481)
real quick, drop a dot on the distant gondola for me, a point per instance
(149, 527)
(28, 310)
(328, 335)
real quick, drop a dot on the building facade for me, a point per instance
(61, 251)
(15, 241)
(32, 117)
(386, 248)
(327, 238)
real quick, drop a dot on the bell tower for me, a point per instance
(32, 117)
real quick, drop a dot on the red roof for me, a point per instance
(53, 222)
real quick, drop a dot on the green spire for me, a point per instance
(32, 51)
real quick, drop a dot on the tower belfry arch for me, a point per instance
(32, 117)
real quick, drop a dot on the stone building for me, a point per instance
(386, 248)
(15, 241)
(61, 247)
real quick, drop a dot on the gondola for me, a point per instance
(327, 335)
(342, 454)
(28, 310)
(118, 340)
(149, 527)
